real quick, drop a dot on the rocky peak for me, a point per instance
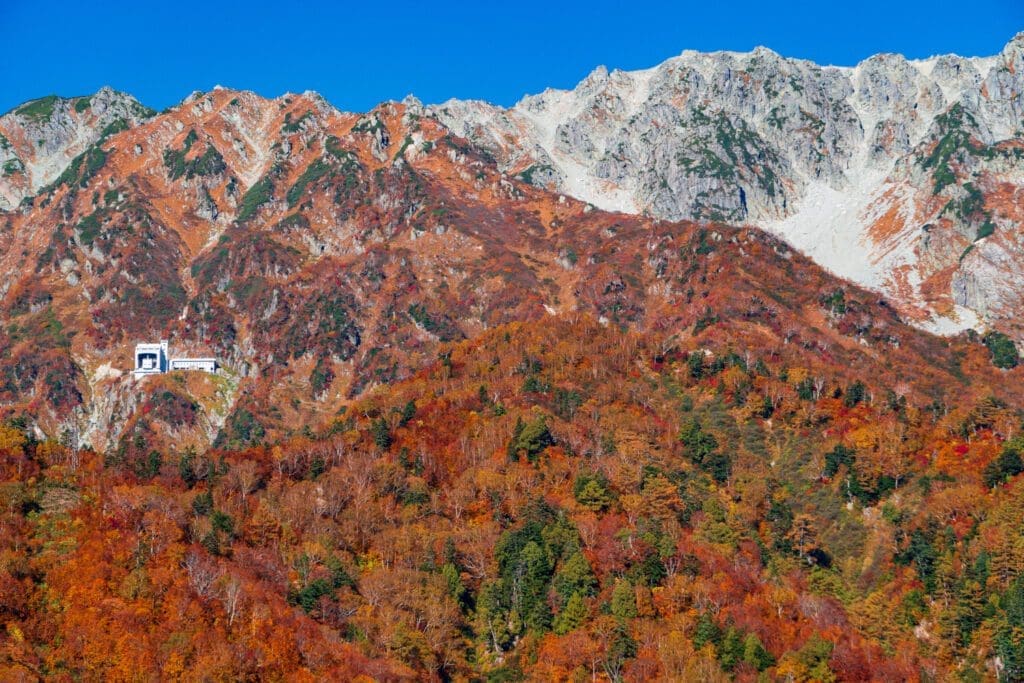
(841, 161)
(1015, 46)
(39, 139)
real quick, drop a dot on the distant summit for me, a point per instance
(894, 173)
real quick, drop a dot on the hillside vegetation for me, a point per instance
(468, 429)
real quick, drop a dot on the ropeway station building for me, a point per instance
(154, 359)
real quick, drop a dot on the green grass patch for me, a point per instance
(1004, 351)
(38, 111)
(81, 169)
(405, 145)
(953, 145)
(526, 175)
(985, 229)
(113, 128)
(210, 162)
(142, 111)
(258, 195)
(316, 170)
(89, 227)
(12, 166)
(368, 124)
(291, 126)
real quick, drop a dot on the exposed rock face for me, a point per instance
(39, 139)
(318, 253)
(886, 173)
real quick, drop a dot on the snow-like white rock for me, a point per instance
(816, 155)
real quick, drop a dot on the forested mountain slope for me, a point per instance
(468, 428)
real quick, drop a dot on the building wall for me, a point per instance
(205, 364)
(158, 354)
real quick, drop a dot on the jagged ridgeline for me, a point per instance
(519, 395)
(898, 174)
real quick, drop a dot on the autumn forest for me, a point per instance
(557, 502)
(469, 429)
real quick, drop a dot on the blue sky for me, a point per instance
(357, 54)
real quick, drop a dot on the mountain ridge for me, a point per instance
(319, 253)
(740, 168)
(469, 427)
(856, 198)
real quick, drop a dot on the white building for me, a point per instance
(154, 359)
(204, 364)
(151, 359)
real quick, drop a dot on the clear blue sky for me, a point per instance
(357, 54)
